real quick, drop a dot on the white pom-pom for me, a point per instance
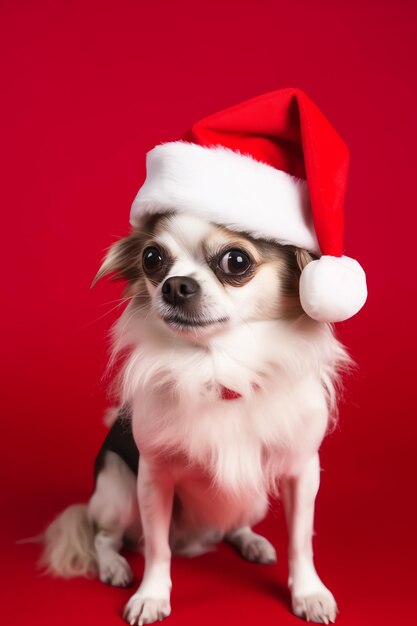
(333, 289)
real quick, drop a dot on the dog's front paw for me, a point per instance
(318, 607)
(146, 610)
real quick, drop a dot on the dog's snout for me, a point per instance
(178, 289)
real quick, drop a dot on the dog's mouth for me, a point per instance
(183, 322)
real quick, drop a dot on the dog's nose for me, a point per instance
(178, 289)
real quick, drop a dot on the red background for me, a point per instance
(87, 88)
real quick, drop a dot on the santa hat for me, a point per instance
(275, 168)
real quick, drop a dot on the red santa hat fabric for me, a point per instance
(275, 167)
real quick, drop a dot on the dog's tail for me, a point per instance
(69, 544)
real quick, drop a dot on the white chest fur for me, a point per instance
(284, 374)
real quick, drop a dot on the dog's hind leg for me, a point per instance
(114, 510)
(252, 546)
(249, 544)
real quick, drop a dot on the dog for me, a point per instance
(226, 392)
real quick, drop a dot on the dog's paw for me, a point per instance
(258, 550)
(319, 607)
(116, 571)
(142, 610)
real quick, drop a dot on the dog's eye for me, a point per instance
(235, 262)
(152, 260)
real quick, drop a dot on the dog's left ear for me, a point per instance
(303, 257)
(122, 260)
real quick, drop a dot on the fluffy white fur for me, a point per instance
(225, 187)
(286, 374)
(69, 544)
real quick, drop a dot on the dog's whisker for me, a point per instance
(105, 314)
(125, 299)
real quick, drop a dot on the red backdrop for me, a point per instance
(87, 88)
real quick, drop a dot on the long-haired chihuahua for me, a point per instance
(226, 392)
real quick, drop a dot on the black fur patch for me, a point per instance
(119, 440)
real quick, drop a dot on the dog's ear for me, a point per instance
(303, 257)
(122, 260)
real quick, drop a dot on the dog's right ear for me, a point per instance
(122, 260)
(303, 257)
